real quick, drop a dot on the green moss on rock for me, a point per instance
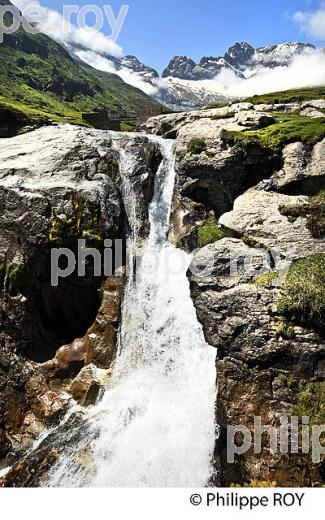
(311, 402)
(196, 146)
(289, 128)
(85, 220)
(284, 329)
(313, 211)
(12, 277)
(266, 280)
(303, 298)
(316, 216)
(209, 232)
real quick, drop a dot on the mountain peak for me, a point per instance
(134, 64)
(180, 67)
(239, 55)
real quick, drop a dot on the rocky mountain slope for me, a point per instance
(249, 199)
(40, 81)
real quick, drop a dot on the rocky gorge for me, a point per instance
(248, 203)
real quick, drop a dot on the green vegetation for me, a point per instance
(217, 105)
(314, 211)
(128, 126)
(266, 280)
(39, 80)
(287, 129)
(84, 221)
(288, 96)
(285, 96)
(284, 329)
(209, 232)
(256, 484)
(11, 277)
(311, 403)
(196, 146)
(287, 379)
(303, 297)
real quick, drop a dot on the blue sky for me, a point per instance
(156, 30)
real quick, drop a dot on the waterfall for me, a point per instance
(155, 422)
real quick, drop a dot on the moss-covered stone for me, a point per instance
(209, 232)
(316, 216)
(284, 329)
(303, 298)
(12, 277)
(85, 220)
(267, 280)
(196, 146)
(287, 379)
(289, 128)
(313, 211)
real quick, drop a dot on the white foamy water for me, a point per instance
(156, 419)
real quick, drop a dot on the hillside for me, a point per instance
(39, 79)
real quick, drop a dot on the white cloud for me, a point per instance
(312, 23)
(304, 71)
(57, 28)
(101, 63)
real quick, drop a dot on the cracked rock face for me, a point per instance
(256, 216)
(303, 169)
(241, 320)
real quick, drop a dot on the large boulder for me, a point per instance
(254, 119)
(303, 169)
(257, 217)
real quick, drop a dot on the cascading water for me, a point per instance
(155, 422)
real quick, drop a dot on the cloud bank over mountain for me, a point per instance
(304, 71)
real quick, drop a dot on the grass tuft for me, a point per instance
(303, 298)
(266, 280)
(289, 128)
(209, 232)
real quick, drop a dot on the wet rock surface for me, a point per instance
(58, 185)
